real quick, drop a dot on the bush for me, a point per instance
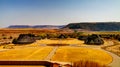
(4, 38)
(43, 35)
(10, 37)
(52, 35)
(62, 36)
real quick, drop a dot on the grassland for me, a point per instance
(72, 54)
(25, 53)
(106, 32)
(64, 41)
(20, 66)
(35, 51)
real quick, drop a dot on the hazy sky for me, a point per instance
(57, 12)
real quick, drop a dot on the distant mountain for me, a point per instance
(38, 26)
(49, 26)
(82, 26)
(98, 26)
(19, 26)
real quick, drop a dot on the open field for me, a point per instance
(74, 49)
(106, 32)
(72, 54)
(26, 53)
(22, 66)
(37, 51)
(60, 41)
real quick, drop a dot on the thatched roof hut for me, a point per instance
(24, 39)
(94, 39)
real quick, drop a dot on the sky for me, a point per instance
(57, 12)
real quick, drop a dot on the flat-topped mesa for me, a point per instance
(94, 40)
(25, 39)
(96, 26)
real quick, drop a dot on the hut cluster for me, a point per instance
(94, 39)
(30, 38)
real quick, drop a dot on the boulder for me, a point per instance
(94, 39)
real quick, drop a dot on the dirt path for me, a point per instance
(116, 59)
(48, 58)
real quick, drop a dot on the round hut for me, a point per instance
(24, 39)
(94, 39)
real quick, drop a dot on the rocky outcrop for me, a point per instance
(94, 39)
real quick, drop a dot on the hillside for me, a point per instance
(37, 26)
(98, 26)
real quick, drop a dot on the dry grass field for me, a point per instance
(25, 53)
(36, 51)
(104, 32)
(88, 64)
(64, 41)
(115, 48)
(20, 66)
(72, 54)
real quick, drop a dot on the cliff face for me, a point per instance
(101, 26)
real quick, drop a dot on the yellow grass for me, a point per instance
(21, 66)
(72, 54)
(88, 64)
(101, 32)
(64, 41)
(26, 53)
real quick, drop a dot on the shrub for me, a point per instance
(4, 38)
(62, 36)
(10, 37)
(43, 35)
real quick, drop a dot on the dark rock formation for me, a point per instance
(25, 39)
(94, 39)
